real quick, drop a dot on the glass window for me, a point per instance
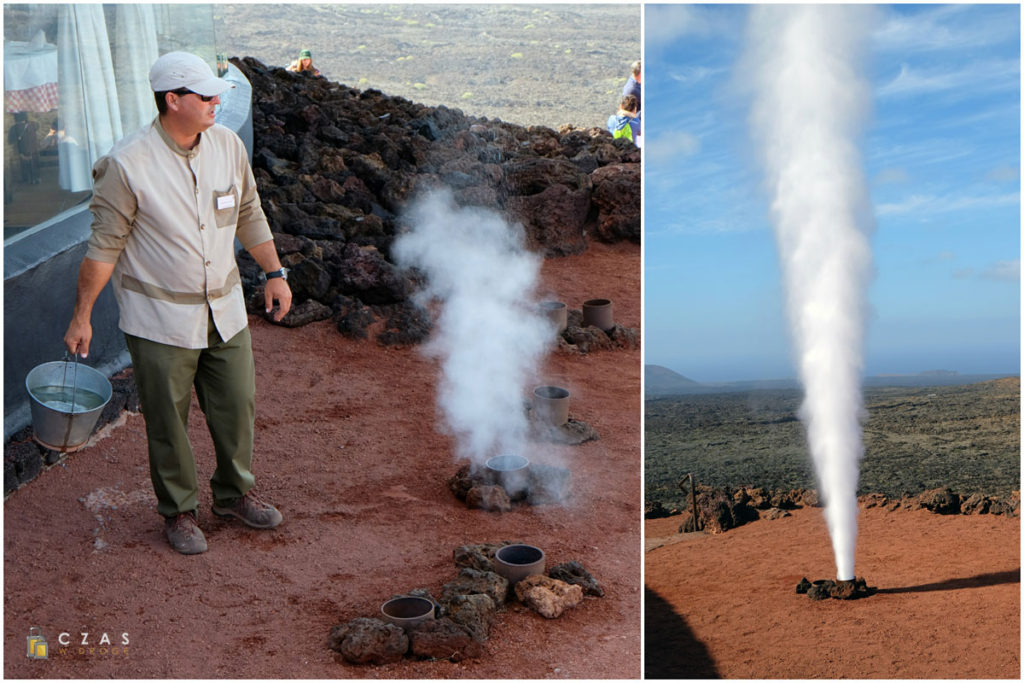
(76, 80)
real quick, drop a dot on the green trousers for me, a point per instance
(225, 381)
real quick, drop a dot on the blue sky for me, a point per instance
(942, 155)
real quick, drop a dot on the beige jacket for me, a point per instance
(167, 217)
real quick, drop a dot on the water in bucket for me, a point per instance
(60, 398)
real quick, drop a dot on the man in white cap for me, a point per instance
(168, 202)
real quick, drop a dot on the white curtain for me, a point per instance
(135, 50)
(88, 93)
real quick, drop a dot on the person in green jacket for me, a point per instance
(625, 123)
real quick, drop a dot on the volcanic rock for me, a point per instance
(338, 166)
(578, 338)
(716, 515)
(760, 498)
(617, 196)
(545, 484)
(22, 463)
(719, 511)
(473, 581)
(976, 504)
(775, 513)
(838, 590)
(406, 323)
(941, 500)
(369, 641)
(874, 500)
(352, 316)
(656, 510)
(572, 572)
(462, 481)
(474, 611)
(443, 639)
(820, 590)
(550, 196)
(546, 596)
(809, 498)
(488, 498)
(302, 314)
(479, 556)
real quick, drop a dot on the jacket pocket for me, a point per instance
(225, 207)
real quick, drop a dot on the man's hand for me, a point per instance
(78, 336)
(277, 290)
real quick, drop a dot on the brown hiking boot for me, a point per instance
(184, 534)
(251, 510)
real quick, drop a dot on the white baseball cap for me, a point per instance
(176, 70)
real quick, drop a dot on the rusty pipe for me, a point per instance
(693, 498)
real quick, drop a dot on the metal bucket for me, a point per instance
(407, 610)
(551, 405)
(508, 471)
(598, 312)
(516, 562)
(66, 400)
(557, 313)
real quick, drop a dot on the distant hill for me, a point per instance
(660, 381)
(664, 382)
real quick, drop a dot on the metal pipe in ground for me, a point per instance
(693, 498)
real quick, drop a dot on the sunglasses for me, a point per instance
(186, 91)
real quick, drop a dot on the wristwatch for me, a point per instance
(282, 273)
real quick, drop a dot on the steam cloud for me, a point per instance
(489, 334)
(809, 105)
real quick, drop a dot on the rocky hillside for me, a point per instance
(916, 439)
(542, 65)
(337, 166)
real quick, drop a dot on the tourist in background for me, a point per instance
(304, 63)
(632, 86)
(625, 123)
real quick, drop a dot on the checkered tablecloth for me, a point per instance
(41, 98)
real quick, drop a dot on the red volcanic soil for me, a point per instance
(947, 606)
(347, 447)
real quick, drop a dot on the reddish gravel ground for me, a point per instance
(948, 604)
(347, 447)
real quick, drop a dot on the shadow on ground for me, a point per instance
(671, 650)
(989, 579)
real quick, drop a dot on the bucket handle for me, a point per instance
(74, 392)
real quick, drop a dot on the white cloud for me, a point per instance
(1003, 271)
(664, 24)
(670, 147)
(931, 204)
(690, 74)
(948, 27)
(992, 74)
